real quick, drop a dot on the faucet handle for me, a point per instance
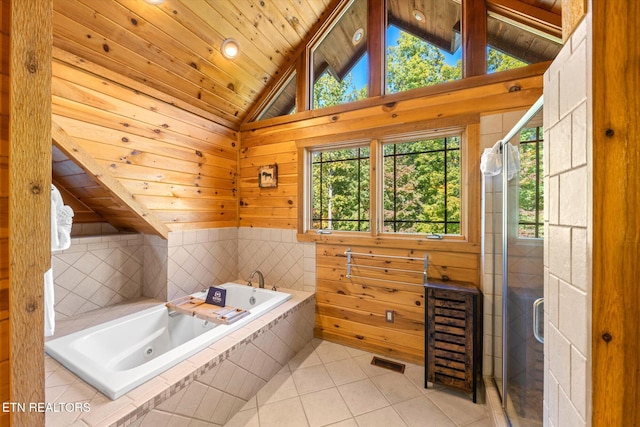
(249, 283)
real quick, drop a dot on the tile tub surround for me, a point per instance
(97, 272)
(227, 374)
(283, 260)
(197, 257)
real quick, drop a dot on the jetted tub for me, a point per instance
(117, 356)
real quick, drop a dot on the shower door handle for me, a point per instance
(537, 305)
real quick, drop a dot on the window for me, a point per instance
(422, 186)
(512, 45)
(531, 202)
(417, 187)
(340, 189)
(284, 102)
(339, 60)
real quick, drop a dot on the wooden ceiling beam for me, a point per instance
(529, 15)
(75, 152)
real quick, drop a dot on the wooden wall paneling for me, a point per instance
(29, 200)
(352, 310)
(158, 98)
(78, 94)
(74, 151)
(351, 124)
(269, 207)
(182, 165)
(615, 321)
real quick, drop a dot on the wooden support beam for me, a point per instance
(30, 29)
(75, 152)
(572, 13)
(474, 38)
(376, 30)
(529, 15)
(616, 225)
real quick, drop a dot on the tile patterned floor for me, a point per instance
(327, 384)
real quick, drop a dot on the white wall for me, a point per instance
(568, 226)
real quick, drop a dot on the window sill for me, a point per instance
(417, 242)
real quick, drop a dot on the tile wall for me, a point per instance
(492, 129)
(568, 217)
(105, 270)
(283, 260)
(97, 272)
(198, 259)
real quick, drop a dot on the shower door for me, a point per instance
(522, 272)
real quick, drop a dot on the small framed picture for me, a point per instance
(268, 176)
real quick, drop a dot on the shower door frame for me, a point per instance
(535, 108)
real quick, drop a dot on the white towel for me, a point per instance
(61, 220)
(49, 312)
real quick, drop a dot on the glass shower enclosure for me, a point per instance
(518, 238)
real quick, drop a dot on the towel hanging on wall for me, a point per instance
(61, 221)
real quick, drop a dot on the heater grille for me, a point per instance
(388, 364)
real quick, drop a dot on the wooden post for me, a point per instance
(29, 199)
(616, 224)
(376, 31)
(474, 38)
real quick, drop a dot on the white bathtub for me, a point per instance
(117, 356)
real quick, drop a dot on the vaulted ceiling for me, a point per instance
(145, 91)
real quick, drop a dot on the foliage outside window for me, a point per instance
(340, 187)
(413, 63)
(422, 186)
(531, 198)
(500, 61)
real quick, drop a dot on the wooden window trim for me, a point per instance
(470, 201)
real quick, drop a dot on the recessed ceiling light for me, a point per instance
(357, 36)
(230, 48)
(418, 15)
(155, 2)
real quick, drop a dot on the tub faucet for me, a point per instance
(260, 278)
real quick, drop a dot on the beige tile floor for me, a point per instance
(328, 384)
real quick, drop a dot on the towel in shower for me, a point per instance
(491, 160)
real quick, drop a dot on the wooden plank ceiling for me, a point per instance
(146, 91)
(175, 47)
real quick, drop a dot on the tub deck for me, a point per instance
(275, 336)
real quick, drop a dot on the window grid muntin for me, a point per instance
(538, 224)
(362, 218)
(448, 141)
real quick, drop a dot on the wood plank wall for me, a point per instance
(352, 311)
(4, 208)
(180, 165)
